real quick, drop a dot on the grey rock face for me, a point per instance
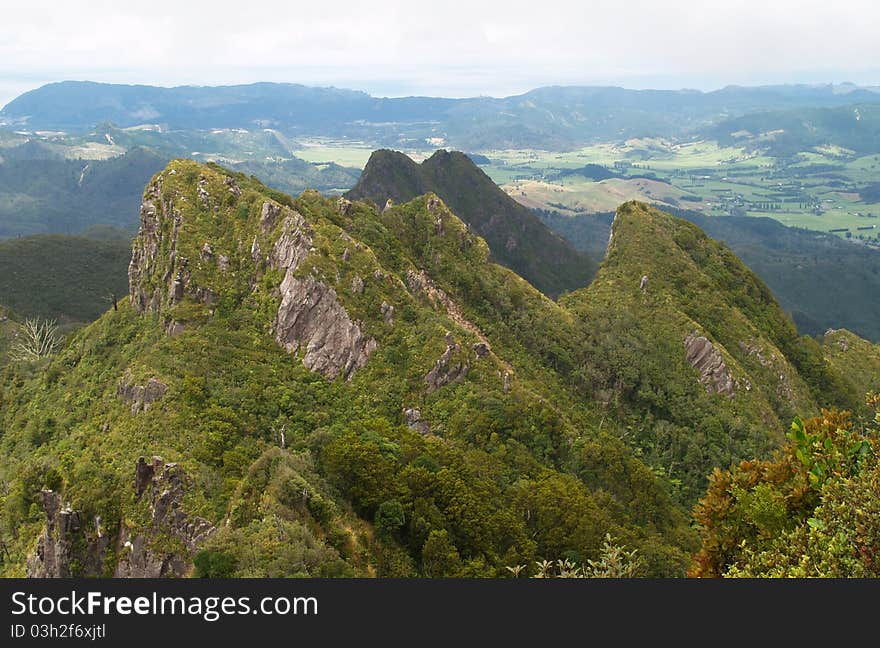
(141, 397)
(481, 349)
(143, 474)
(434, 204)
(388, 313)
(294, 243)
(311, 317)
(413, 419)
(357, 285)
(233, 187)
(67, 547)
(175, 293)
(446, 370)
(144, 248)
(174, 328)
(166, 485)
(703, 355)
(268, 215)
(255, 252)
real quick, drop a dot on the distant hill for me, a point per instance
(550, 117)
(786, 132)
(68, 278)
(8, 328)
(823, 281)
(590, 171)
(41, 193)
(293, 176)
(516, 237)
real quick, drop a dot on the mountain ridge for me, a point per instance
(516, 237)
(317, 388)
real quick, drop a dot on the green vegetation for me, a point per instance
(811, 511)
(69, 278)
(822, 281)
(8, 329)
(635, 346)
(503, 478)
(854, 358)
(52, 195)
(488, 427)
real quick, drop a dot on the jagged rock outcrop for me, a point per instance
(447, 370)
(73, 545)
(173, 328)
(70, 545)
(387, 313)
(703, 355)
(233, 187)
(141, 397)
(413, 419)
(144, 248)
(294, 244)
(268, 215)
(165, 484)
(311, 317)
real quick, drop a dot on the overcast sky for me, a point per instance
(441, 47)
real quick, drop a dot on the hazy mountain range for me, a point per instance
(551, 117)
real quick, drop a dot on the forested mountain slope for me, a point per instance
(312, 387)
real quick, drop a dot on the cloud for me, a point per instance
(451, 47)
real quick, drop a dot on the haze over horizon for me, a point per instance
(431, 50)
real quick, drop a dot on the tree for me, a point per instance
(390, 517)
(37, 339)
(214, 564)
(439, 556)
(812, 510)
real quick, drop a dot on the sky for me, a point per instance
(439, 48)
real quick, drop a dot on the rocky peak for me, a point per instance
(515, 235)
(188, 212)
